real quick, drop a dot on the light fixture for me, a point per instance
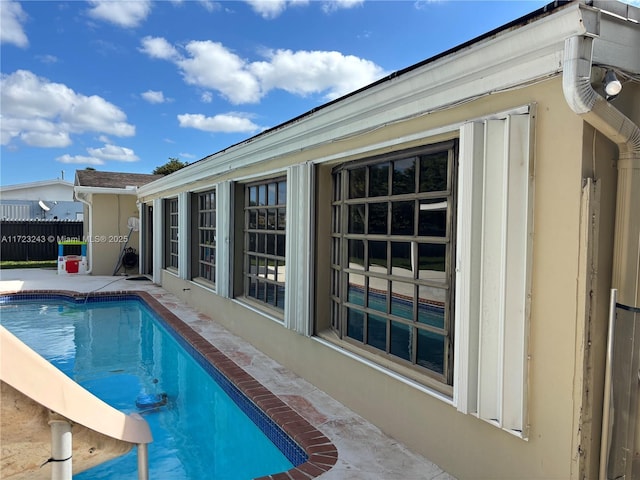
(612, 85)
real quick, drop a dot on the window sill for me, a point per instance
(261, 309)
(205, 284)
(403, 374)
(172, 271)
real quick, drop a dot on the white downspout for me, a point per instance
(607, 119)
(90, 222)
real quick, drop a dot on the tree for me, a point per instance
(171, 166)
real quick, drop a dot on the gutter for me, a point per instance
(80, 197)
(604, 117)
(130, 190)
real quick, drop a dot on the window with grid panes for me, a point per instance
(393, 256)
(204, 235)
(264, 237)
(171, 236)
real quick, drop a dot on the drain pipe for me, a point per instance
(80, 198)
(612, 123)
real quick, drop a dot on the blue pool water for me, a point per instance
(121, 352)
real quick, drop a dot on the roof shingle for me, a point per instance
(95, 178)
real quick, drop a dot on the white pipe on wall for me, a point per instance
(80, 198)
(61, 449)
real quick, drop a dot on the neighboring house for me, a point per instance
(44, 200)
(436, 250)
(111, 215)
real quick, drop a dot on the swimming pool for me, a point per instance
(119, 350)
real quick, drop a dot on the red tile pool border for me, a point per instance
(321, 452)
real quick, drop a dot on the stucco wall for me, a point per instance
(110, 214)
(462, 444)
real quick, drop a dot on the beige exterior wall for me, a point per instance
(110, 214)
(562, 367)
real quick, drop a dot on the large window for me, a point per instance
(203, 205)
(264, 241)
(392, 256)
(171, 233)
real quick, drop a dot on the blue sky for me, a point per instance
(126, 85)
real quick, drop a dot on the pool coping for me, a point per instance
(321, 453)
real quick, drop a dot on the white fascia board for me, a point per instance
(41, 183)
(106, 190)
(511, 59)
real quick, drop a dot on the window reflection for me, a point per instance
(272, 193)
(402, 218)
(378, 256)
(401, 259)
(377, 331)
(431, 261)
(355, 324)
(430, 353)
(432, 220)
(377, 294)
(282, 193)
(356, 218)
(379, 180)
(355, 288)
(402, 295)
(404, 176)
(378, 215)
(434, 172)
(356, 254)
(357, 179)
(400, 342)
(431, 303)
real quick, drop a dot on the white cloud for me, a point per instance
(99, 156)
(334, 5)
(206, 97)
(11, 18)
(127, 14)
(48, 59)
(210, 6)
(268, 8)
(66, 158)
(157, 47)
(45, 114)
(113, 152)
(35, 132)
(226, 123)
(212, 66)
(153, 96)
(307, 72)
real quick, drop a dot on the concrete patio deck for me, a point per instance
(364, 452)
